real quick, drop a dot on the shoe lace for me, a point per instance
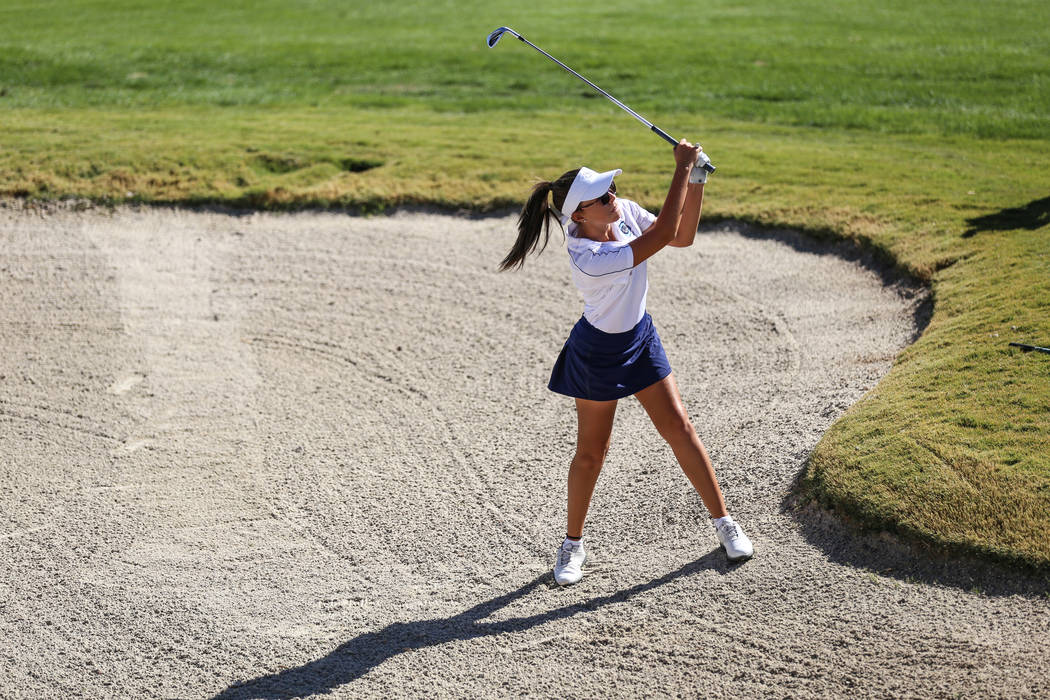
(730, 531)
(564, 554)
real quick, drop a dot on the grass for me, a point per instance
(968, 68)
(922, 131)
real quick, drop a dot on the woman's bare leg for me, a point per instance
(664, 406)
(594, 432)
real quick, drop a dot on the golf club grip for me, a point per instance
(663, 134)
(671, 140)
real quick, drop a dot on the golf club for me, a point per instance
(1027, 348)
(494, 38)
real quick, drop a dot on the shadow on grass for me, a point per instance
(1035, 214)
(355, 658)
(845, 542)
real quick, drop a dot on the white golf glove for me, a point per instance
(698, 174)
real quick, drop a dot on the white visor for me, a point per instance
(587, 185)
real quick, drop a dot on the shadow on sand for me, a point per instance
(355, 658)
(844, 542)
(870, 259)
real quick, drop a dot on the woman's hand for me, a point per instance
(698, 175)
(686, 153)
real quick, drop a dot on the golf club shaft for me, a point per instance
(667, 137)
(1026, 347)
(655, 129)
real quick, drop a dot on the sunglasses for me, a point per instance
(604, 199)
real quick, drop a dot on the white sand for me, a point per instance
(272, 456)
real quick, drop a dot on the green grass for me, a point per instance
(921, 131)
(971, 68)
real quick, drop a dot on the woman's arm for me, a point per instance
(694, 202)
(665, 228)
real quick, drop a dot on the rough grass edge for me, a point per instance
(276, 200)
(808, 492)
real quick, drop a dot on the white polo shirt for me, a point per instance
(613, 288)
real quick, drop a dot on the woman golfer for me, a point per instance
(613, 351)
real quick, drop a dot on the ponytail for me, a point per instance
(535, 216)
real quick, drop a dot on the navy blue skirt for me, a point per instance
(604, 366)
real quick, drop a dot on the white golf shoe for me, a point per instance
(732, 538)
(568, 567)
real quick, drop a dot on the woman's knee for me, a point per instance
(589, 459)
(677, 429)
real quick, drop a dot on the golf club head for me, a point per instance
(495, 36)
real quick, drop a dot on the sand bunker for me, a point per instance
(271, 456)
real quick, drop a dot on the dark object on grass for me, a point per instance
(1026, 348)
(1031, 216)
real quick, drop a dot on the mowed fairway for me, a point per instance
(210, 430)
